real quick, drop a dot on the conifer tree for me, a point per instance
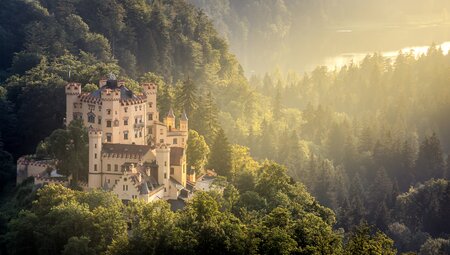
(220, 157)
(430, 161)
(187, 96)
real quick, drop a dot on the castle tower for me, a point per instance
(150, 91)
(73, 90)
(184, 122)
(110, 98)
(163, 161)
(170, 120)
(95, 159)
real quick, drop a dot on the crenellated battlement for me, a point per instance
(73, 88)
(149, 88)
(95, 132)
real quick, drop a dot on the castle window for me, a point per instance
(135, 135)
(77, 116)
(134, 196)
(91, 117)
(165, 175)
(109, 167)
(165, 163)
(116, 123)
(135, 108)
(125, 135)
(95, 167)
(95, 155)
(140, 107)
(150, 116)
(140, 133)
(108, 137)
(150, 104)
(108, 111)
(161, 140)
(125, 187)
(100, 108)
(116, 168)
(161, 131)
(99, 120)
(125, 122)
(125, 109)
(75, 105)
(109, 180)
(116, 181)
(172, 170)
(175, 141)
(95, 146)
(136, 121)
(91, 107)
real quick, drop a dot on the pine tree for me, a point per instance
(220, 157)
(277, 104)
(430, 161)
(187, 96)
(267, 146)
(204, 120)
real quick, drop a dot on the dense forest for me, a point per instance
(369, 141)
(297, 35)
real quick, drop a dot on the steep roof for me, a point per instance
(133, 149)
(125, 93)
(176, 153)
(170, 114)
(184, 116)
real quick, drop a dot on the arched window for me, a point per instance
(91, 117)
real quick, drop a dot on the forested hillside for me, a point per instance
(297, 35)
(370, 141)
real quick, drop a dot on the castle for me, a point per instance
(131, 152)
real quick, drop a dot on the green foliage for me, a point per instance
(425, 207)
(220, 157)
(70, 147)
(197, 151)
(60, 221)
(364, 241)
(186, 96)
